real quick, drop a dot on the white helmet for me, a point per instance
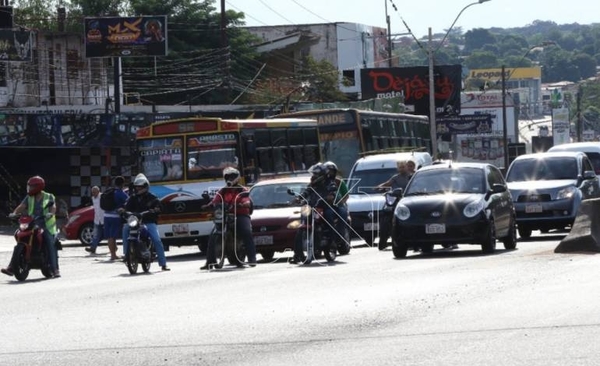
(231, 176)
(141, 181)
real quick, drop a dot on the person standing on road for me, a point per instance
(98, 221)
(113, 223)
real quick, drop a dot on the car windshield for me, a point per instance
(549, 168)
(442, 181)
(365, 181)
(275, 195)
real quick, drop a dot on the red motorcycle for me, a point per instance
(30, 251)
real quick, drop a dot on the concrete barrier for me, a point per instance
(585, 233)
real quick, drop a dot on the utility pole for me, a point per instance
(579, 119)
(389, 34)
(432, 111)
(504, 122)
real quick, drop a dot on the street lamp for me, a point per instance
(430, 52)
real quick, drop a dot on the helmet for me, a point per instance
(330, 167)
(141, 181)
(35, 185)
(317, 169)
(231, 176)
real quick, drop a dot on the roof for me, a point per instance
(451, 164)
(577, 146)
(549, 154)
(286, 180)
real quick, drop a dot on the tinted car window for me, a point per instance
(595, 159)
(549, 168)
(365, 181)
(440, 181)
(587, 166)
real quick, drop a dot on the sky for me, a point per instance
(419, 15)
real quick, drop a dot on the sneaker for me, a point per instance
(7, 271)
(90, 250)
(454, 246)
(165, 268)
(56, 274)
(252, 264)
(208, 266)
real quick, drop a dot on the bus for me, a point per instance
(184, 158)
(347, 134)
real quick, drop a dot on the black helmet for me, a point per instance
(330, 167)
(317, 169)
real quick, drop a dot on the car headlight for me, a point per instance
(72, 219)
(566, 193)
(132, 221)
(402, 212)
(473, 208)
(294, 224)
(305, 210)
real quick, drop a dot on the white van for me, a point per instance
(591, 149)
(366, 202)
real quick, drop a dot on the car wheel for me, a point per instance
(267, 255)
(86, 234)
(524, 232)
(510, 241)
(489, 244)
(399, 248)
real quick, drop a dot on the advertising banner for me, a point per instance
(412, 83)
(15, 45)
(126, 37)
(476, 123)
(487, 148)
(560, 126)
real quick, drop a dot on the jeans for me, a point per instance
(243, 227)
(97, 236)
(337, 212)
(154, 236)
(52, 251)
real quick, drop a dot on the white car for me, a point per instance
(365, 202)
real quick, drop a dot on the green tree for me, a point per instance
(481, 60)
(585, 64)
(477, 38)
(35, 14)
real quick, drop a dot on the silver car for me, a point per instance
(547, 189)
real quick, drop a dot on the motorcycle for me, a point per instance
(386, 217)
(141, 248)
(222, 240)
(315, 235)
(30, 251)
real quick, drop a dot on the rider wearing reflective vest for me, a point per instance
(41, 204)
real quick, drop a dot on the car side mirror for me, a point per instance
(498, 188)
(398, 192)
(589, 174)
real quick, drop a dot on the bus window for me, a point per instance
(208, 155)
(161, 159)
(278, 138)
(280, 160)
(265, 160)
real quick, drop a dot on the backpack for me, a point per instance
(107, 200)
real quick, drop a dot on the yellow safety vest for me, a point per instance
(50, 222)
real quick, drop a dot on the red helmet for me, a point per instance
(35, 185)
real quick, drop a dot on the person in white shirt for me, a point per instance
(98, 221)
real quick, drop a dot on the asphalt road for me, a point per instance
(523, 307)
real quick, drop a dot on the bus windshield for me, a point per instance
(208, 155)
(161, 159)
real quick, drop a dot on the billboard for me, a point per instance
(15, 45)
(560, 126)
(128, 37)
(412, 83)
(509, 73)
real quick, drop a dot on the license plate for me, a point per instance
(435, 228)
(371, 226)
(180, 229)
(533, 208)
(263, 240)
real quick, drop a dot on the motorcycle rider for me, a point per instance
(40, 203)
(241, 207)
(337, 197)
(144, 201)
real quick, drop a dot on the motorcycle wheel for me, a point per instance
(385, 230)
(146, 264)
(300, 241)
(236, 253)
(21, 269)
(345, 245)
(132, 261)
(330, 253)
(216, 240)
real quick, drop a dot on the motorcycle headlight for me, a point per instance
(305, 210)
(473, 208)
(389, 199)
(218, 215)
(294, 224)
(402, 212)
(132, 221)
(566, 193)
(23, 227)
